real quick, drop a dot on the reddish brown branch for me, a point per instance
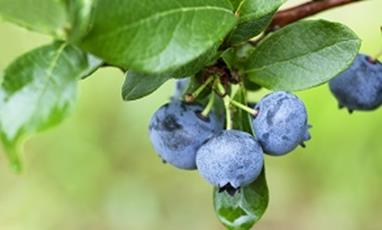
(288, 16)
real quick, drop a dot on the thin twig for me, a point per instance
(288, 16)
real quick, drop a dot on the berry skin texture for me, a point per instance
(359, 87)
(230, 160)
(281, 123)
(177, 130)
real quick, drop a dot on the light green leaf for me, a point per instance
(247, 206)
(46, 16)
(255, 16)
(157, 36)
(302, 55)
(236, 3)
(38, 91)
(80, 12)
(64, 19)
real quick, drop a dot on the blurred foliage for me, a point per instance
(98, 170)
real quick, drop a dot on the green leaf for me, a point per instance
(255, 16)
(46, 16)
(246, 207)
(302, 55)
(94, 64)
(207, 58)
(80, 12)
(139, 85)
(64, 19)
(157, 36)
(236, 3)
(236, 57)
(37, 92)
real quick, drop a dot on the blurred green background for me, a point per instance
(98, 171)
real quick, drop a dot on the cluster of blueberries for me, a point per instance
(230, 159)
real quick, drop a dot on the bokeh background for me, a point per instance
(97, 170)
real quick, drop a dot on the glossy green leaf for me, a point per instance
(38, 91)
(207, 58)
(157, 36)
(139, 85)
(246, 207)
(302, 55)
(46, 16)
(80, 12)
(236, 3)
(255, 16)
(94, 64)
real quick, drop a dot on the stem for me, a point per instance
(202, 87)
(195, 94)
(209, 106)
(227, 103)
(249, 110)
(288, 16)
(255, 41)
(228, 113)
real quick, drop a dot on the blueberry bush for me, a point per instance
(219, 51)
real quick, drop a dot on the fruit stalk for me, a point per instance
(195, 94)
(209, 106)
(253, 112)
(227, 103)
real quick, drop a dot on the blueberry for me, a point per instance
(359, 87)
(178, 129)
(230, 160)
(180, 87)
(281, 123)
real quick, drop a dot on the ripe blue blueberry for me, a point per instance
(359, 87)
(178, 129)
(230, 160)
(281, 123)
(180, 87)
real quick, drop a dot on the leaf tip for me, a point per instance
(16, 167)
(13, 157)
